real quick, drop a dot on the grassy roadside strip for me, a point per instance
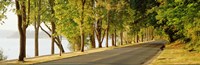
(175, 54)
(46, 58)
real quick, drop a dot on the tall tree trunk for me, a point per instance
(115, 38)
(113, 42)
(148, 34)
(78, 45)
(137, 37)
(107, 30)
(52, 37)
(142, 38)
(135, 40)
(92, 41)
(92, 38)
(24, 39)
(22, 29)
(81, 26)
(152, 35)
(98, 28)
(36, 43)
(107, 37)
(37, 24)
(82, 41)
(98, 33)
(121, 37)
(53, 26)
(107, 33)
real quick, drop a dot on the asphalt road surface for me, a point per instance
(131, 55)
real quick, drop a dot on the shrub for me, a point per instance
(194, 44)
(2, 57)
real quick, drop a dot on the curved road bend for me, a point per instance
(131, 55)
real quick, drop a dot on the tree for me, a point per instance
(91, 23)
(42, 15)
(76, 14)
(36, 25)
(108, 25)
(81, 25)
(175, 18)
(22, 25)
(179, 18)
(100, 12)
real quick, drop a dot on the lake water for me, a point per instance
(10, 47)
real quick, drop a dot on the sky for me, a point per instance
(10, 22)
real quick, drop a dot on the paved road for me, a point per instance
(131, 55)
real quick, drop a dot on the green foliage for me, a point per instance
(69, 16)
(193, 34)
(3, 9)
(173, 19)
(180, 20)
(176, 19)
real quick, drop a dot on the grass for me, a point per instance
(175, 54)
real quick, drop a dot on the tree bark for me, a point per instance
(81, 26)
(107, 30)
(52, 37)
(77, 43)
(92, 41)
(98, 32)
(113, 41)
(56, 39)
(107, 37)
(142, 37)
(37, 25)
(36, 43)
(115, 38)
(152, 34)
(137, 37)
(92, 38)
(22, 28)
(146, 34)
(121, 37)
(53, 26)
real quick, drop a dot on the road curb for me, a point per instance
(155, 56)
